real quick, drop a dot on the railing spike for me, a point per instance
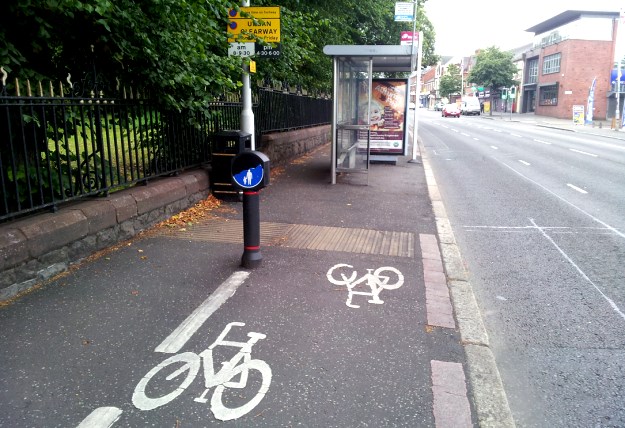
(17, 87)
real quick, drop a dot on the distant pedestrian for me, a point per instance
(481, 107)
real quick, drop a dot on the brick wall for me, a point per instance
(581, 61)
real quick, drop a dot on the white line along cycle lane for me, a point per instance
(383, 278)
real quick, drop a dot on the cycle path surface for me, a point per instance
(93, 348)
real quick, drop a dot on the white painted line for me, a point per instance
(581, 272)
(542, 142)
(476, 139)
(465, 134)
(516, 135)
(580, 190)
(524, 163)
(102, 417)
(495, 147)
(455, 130)
(497, 130)
(584, 153)
(603, 223)
(176, 340)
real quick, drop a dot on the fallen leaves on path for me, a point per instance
(192, 215)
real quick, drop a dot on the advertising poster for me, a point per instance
(578, 114)
(387, 116)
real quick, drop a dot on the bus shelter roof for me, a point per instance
(386, 58)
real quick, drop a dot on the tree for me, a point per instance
(451, 82)
(493, 69)
(178, 48)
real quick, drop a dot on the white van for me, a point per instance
(470, 105)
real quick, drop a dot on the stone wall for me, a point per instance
(38, 247)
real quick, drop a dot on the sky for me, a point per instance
(462, 26)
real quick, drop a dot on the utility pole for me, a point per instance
(247, 115)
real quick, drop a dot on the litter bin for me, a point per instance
(226, 145)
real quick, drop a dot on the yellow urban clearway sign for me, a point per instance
(268, 29)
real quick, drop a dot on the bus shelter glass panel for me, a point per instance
(352, 114)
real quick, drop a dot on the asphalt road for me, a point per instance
(539, 215)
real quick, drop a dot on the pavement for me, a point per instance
(357, 316)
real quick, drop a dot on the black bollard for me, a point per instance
(250, 173)
(252, 256)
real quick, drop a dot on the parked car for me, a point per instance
(450, 110)
(439, 106)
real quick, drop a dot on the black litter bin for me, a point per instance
(226, 145)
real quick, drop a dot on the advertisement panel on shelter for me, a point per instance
(387, 116)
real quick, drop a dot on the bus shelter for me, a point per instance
(369, 120)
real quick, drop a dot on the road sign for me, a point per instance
(408, 38)
(242, 49)
(265, 51)
(404, 12)
(250, 170)
(265, 24)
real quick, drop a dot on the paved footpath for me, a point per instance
(347, 322)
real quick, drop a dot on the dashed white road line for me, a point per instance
(585, 153)
(579, 189)
(524, 163)
(495, 147)
(476, 139)
(465, 134)
(516, 135)
(542, 142)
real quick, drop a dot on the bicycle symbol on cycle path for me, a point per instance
(239, 366)
(234, 373)
(383, 278)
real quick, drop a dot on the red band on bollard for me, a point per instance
(252, 248)
(250, 193)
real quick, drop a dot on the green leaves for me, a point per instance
(178, 48)
(494, 68)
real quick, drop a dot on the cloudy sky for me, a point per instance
(462, 26)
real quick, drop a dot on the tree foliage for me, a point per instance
(178, 48)
(494, 69)
(451, 82)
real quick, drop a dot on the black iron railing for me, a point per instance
(56, 149)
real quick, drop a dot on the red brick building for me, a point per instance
(569, 51)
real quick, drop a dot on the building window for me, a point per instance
(532, 71)
(549, 95)
(551, 64)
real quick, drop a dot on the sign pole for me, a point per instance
(417, 94)
(247, 114)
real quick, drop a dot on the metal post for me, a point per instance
(417, 94)
(247, 115)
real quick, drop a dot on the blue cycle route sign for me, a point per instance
(250, 170)
(249, 178)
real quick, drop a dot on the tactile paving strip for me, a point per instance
(305, 236)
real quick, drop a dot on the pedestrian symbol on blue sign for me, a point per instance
(249, 178)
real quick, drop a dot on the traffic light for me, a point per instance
(504, 94)
(512, 91)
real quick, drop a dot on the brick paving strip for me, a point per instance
(451, 405)
(437, 301)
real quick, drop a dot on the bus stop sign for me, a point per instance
(250, 170)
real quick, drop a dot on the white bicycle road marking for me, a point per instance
(377, 281)
(239, 365)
